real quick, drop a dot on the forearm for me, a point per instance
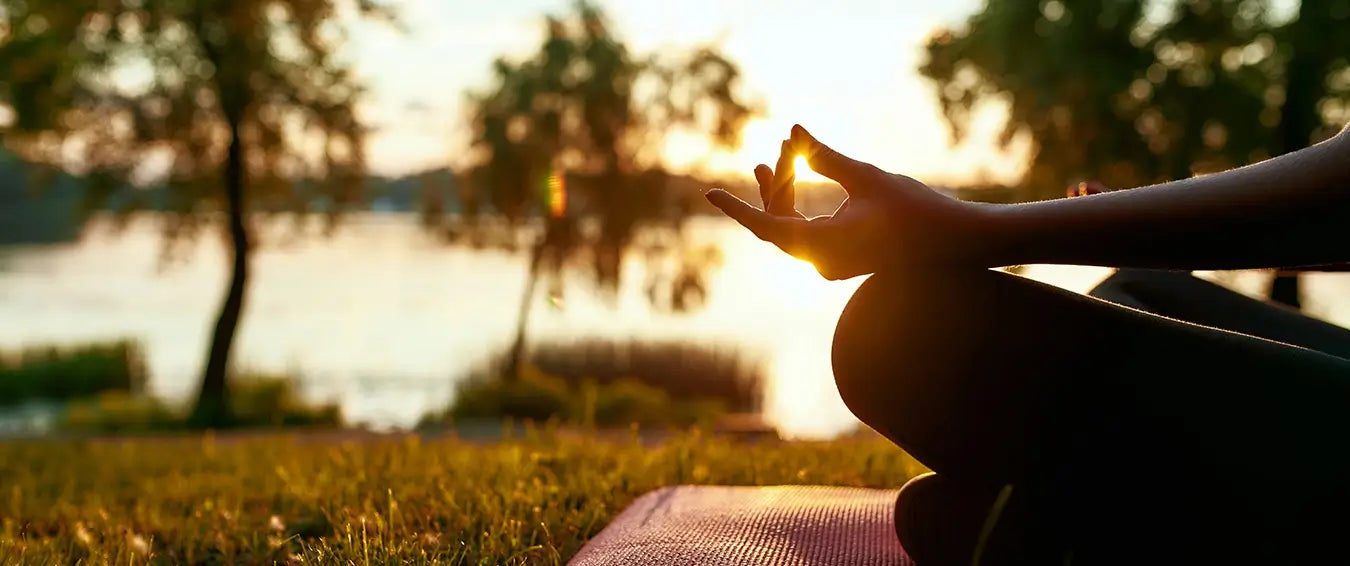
(1293, 210)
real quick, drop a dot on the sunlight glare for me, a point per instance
(761, 140)
(795, 280)
(804, 171)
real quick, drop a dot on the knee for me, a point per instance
(898, 333)
(925, 359)
(869, 323)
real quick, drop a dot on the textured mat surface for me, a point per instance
(787, 525)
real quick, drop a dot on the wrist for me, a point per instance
(998, 240)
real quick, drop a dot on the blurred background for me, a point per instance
(431, 213)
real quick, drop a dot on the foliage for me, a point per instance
(609, 383)
(586, 110)
(534, 499)
(222, 101)
(120, 413)
(258, 401)
(683, 370)
(573, 134)
(104, 88)
(1131, 92)
(266, 400)
(534, 396)
(71, 372)
(629, 401)
(540, 397)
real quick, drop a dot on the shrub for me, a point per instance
(118, 412)
(263, 400)
(257, 400)
(540, 397)
(611, 383)
(627, 401)
(535, 396)
(71, 372)
(684, 371)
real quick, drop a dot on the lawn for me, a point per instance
(534, 498)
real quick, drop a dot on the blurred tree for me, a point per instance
(221, 101)
(574, 132)
(1316, 92)
(1133, 92)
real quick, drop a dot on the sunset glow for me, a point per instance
(854, 83)
(761, 141)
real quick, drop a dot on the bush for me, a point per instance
(257, 401)
(538, 396)
(535, 396)
(263, 400)
(627, 402)
(117, 412)
(73, 372)
(682, 370)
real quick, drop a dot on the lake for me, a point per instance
(383, 319)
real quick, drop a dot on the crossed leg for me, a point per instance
(1115, 428)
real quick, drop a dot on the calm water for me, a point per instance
(382, 319)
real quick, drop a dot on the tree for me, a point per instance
(1112, 91)
(242, 105)
(572, 134)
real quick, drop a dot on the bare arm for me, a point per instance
(1292, 210)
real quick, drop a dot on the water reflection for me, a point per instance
(381, 318)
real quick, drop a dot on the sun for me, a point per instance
(761, 140)
(804, 171)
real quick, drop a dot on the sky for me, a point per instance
(846, 70)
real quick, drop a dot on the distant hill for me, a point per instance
(411, 193)
(51, 213)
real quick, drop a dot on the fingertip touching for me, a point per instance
(848, 172)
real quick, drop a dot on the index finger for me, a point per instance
(782, 231)
(852, 174)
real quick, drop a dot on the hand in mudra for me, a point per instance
(888, 221)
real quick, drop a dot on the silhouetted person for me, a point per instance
(1065, 429)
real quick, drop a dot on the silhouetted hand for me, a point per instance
(888, 221)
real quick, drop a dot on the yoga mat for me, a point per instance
(781, 525)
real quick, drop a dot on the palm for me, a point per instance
(887, 221)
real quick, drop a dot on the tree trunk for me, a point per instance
(213, 409)
(1299, 118)
(516, 358)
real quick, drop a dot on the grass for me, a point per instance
(274, 498)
